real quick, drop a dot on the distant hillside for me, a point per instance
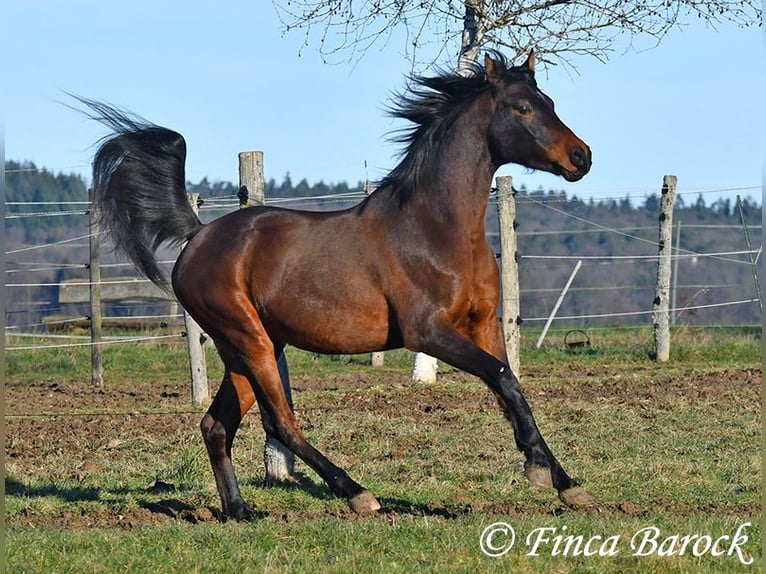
(39, 189)
(550, 224)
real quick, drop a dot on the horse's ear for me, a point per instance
(494, 69)
(530, 63)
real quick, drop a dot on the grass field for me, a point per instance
(116, 479)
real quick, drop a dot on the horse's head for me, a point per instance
(525, 129)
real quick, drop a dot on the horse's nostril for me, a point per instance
(579, 158)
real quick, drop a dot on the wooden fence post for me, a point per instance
(674, 278)
(278, 459)
(424, 368)
(377, 358)
(194, 342)
(660, 316)
(94, 266)
(252, 183)
(749, 245)
(509, 266)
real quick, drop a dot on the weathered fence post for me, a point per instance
(94, 266)
(509, 266)
(674, 278)
(377, 359)
(252, 183)
(749, 245)
(278, 459)
(660, 317)
(424, 368)
(195, 341)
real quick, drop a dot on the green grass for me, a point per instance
(167, 359)
(408, 544)
(676, 446)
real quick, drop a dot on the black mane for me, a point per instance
(431, 104)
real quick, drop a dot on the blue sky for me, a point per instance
(224, 76)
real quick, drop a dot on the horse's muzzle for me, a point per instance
(580, 158)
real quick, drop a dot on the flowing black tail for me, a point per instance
(139, 187)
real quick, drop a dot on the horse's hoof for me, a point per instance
(576, 496)
(241, 512)
(244, 514)
(538, 475)
(364, 503)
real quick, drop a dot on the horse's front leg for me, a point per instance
(541, 466)
(487, 333)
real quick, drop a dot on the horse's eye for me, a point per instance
(522, 107)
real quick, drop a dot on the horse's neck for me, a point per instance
(455, 187)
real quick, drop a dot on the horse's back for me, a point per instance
(312, 277)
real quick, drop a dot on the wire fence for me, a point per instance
(40, 271)
(41, 291)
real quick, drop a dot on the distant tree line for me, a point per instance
(550, 222)
(24, 182)
(285, 189)
(27, 183)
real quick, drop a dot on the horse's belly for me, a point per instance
(331, 325)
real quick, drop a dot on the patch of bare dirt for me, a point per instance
(72, 421)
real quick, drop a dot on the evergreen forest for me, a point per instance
(615, 237)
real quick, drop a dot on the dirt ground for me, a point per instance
(40, 425)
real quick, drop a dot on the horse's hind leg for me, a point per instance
(219, 426)
(280, 422)
(277, 458)
(258, 354)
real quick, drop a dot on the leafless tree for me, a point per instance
(558, 30)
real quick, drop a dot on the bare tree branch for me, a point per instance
(557, 29)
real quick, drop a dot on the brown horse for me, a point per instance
(408, 267)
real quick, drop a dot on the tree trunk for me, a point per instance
(424, 368)
(474, 28)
